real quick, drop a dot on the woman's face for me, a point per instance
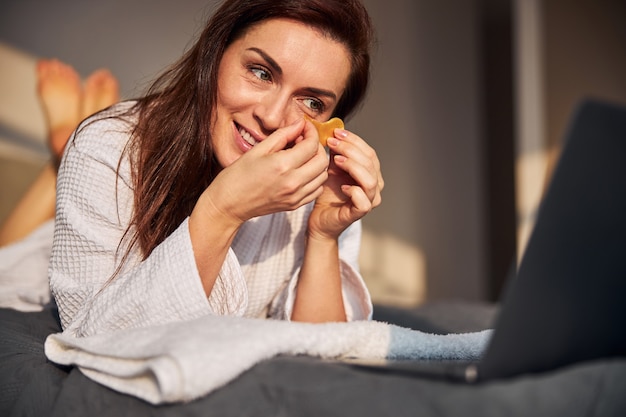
(270, 77)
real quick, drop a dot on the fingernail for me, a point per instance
(341, 133)
(340, 158)
(332, 142)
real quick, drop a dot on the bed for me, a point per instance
(30, 385)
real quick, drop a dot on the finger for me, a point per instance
(310, 131)
(280, 138)
(305, 149)
(305, 193)
(356, 149)
(294, 183)
(313, 173)
(361, 204)
(353, 146)
(363, 176)
(313, 189)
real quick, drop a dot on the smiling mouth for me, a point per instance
(247, 136)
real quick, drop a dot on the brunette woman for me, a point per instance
(212, 194)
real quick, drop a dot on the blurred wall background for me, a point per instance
(444, 113)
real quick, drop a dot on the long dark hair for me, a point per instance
(171, 151)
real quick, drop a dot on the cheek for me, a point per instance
(224, 99)
(231, 91)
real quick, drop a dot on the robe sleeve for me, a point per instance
(94, 205)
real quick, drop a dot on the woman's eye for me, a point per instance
(314, 104)
(261, 74)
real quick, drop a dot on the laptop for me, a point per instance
(566, 302)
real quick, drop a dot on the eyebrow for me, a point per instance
(272, 63)
(269, 59)
(320, 92)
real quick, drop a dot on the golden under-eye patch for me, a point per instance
(325, 130)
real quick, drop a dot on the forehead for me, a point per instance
(301, 51)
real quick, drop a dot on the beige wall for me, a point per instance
(423, 115)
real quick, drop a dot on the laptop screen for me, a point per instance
(567, 302)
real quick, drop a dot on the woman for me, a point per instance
(212, 194)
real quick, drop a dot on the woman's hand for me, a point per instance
(353, 187)
(269, 178)
(281, 173)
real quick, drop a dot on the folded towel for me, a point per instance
(24, 271)
(183, 361)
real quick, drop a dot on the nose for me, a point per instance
(274, 111)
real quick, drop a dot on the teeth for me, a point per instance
(247, 137)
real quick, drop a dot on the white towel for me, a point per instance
(183, 361)
(24, 271)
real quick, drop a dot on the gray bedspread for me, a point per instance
(30, 385)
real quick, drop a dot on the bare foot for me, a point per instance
(101, 90)
(60, 95)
